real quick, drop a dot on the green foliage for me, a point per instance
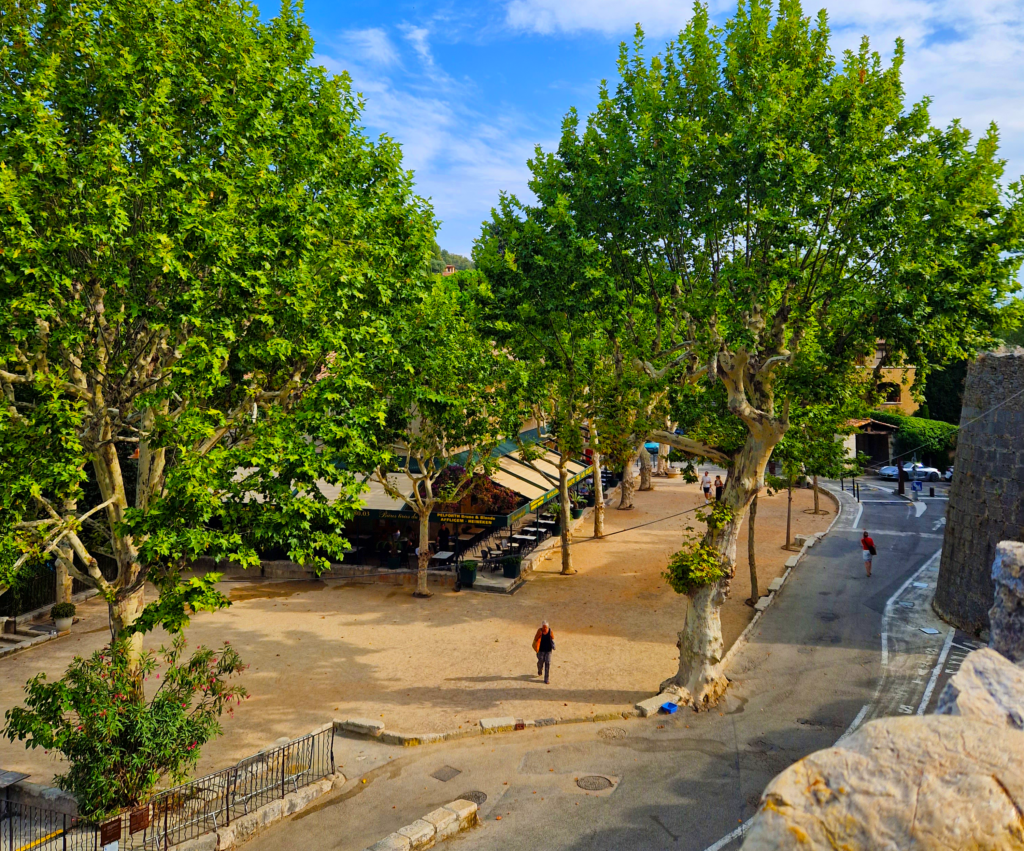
(944, 393)
(117, 741)
(442, 258)
(200, 251)
(62, 610)
(932, 440)
(695, 566)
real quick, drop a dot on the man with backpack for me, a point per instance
(543, 644)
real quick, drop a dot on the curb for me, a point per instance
(436, 826)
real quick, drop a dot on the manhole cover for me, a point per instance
(612, 733)
(594, 783)
(478, 798)
(445, 773)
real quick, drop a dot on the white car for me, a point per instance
(912, 471)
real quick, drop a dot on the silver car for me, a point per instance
(912, 472)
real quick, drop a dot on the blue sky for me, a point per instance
(469, 89)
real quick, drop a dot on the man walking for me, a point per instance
(705, 485)
(867, 550)
(543, 644)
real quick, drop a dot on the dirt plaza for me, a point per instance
(320, 650)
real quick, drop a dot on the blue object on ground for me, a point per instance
(669, 708)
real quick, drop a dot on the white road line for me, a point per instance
(920, 508)
(936, 671)
(886, 614)
(860, 511)
(736, 834)
(855, 724)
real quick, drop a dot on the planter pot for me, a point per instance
(577, 513)
(512, 567)
(63, 624)
(467, 574)
(672, 473)
(394, 562)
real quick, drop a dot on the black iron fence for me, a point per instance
(36, 590)
(184, 812)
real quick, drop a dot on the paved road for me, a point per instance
(811, 669)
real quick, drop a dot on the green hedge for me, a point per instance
(933, 441)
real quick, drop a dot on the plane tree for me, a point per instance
(199, 245)
(767, 209)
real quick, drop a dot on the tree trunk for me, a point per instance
(645, 470)
(751, 553)
(789, 513)
(598, 498)
(817, 507)
(566, 506)
(700, 679)
(124, 611)
(424, 557)
(628, 484)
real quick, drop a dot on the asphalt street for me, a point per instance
(811, 670)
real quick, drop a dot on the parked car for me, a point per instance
(912, 471)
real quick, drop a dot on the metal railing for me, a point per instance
(183, 812)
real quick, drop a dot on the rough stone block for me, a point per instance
(392, 842)
(494, 725)
(804, 540)
(792, 561)
(1007, 613)
(420, 833)
(206, 842)
(649, 707)
(987, 688)
(764, 602)
(775, 584)
(444, 822)
(360, 726)
(925, 783)
(465, 812)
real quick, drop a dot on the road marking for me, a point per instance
(855, 723)
(887, 613)
(736, 834)
(936, 671)
(860, 511)
(920, 508)
(938, 524)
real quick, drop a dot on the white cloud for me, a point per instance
(610, 17)
(370, 45)
(462, 158)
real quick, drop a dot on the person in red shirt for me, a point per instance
(867, 550)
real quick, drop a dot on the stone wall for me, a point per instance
(986, 499)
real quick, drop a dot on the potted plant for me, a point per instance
(63, 615)
(578, 504)
(394, 552)
(511, 567)
(467, 574)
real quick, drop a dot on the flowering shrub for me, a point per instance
(492, 497)
(118, 743)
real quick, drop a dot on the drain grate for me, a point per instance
(445, 773)
(594, 783)
(478, 798)
(612, 733)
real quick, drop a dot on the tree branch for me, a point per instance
(690, 446)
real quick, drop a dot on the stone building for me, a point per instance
(986, 499)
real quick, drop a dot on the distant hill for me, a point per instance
(444, 258)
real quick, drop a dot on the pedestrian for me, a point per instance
(719, 488)
(443, 536)
(543, 644)
(705, 484)
(867, 550)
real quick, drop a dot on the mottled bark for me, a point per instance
(423, 560)
(645, 470)
(124, 611)
(751, 550)
(628, 485)
(566, 507)
(598, 498)
(789, 513)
